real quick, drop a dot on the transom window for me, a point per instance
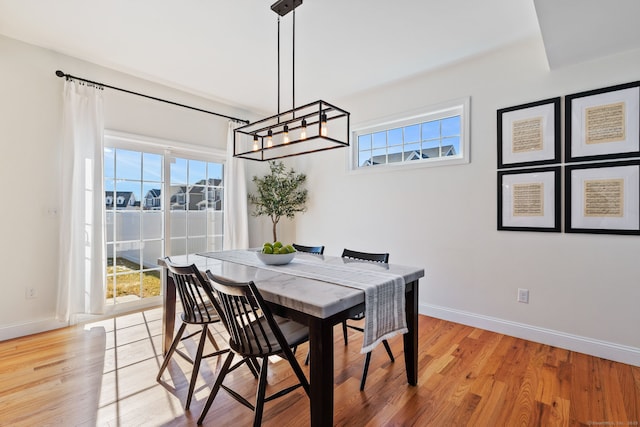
(435, 135)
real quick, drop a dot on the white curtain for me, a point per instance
(81, 284)
(236, 228)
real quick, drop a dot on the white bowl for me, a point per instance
(275, 259)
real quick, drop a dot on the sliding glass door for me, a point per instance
(149, 195)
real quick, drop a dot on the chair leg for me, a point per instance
(172, 349)
(216, 386)
(386, 346)
(262, 389)
(196, 365)
(212, 339)
(291, 358)
(344, 332)
(251, 367)
(364, 372)
(254, 366)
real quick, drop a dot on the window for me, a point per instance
(134, 234)
(432, 136)
(195, 201)
(149, 195)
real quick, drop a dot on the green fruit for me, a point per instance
(277, 245)
(283, 250)
(267, 250)
(290, 249)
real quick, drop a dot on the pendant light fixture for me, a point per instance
(309, 128)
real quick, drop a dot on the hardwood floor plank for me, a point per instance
(103, 374)
(629, 380)
(526, 408)
(478, 357)
(613, 393)
(489, 409)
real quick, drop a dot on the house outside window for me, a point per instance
(436, 135)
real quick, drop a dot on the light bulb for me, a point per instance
(269, 139)
(255, 142)
(285, 134)
(303, 132)
(323, 125)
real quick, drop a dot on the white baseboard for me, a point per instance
(598, 348)
(42, 325)
(23, 329)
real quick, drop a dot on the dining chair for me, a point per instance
(254, 334)
(371, 257)
(192, 289)
(309, 249)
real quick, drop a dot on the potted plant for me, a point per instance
(279, 194)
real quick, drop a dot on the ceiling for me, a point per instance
(227, 50)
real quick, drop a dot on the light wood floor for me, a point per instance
(104, 374)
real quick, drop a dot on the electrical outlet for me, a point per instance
(51, 212)
(523, 295)
(31, 293)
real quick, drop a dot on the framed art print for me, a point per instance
(603, 197)
(529, 199)
(603, 124)
(529, 134)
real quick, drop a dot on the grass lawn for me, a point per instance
(127, 280)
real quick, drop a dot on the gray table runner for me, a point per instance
(384, 292)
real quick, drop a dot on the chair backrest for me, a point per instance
(194, 291)
(366, 256)
(252, 329)
(309, 249)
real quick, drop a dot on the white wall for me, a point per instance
(30, 118)
(584, 288)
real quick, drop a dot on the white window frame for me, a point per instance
(168, 149)
(443, 110)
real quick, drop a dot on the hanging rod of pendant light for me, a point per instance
(313, 127)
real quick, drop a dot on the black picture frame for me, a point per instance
(540, 145)
(601, 182)
(545, 209)
(603, 124)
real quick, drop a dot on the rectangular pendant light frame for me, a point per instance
(252, 141)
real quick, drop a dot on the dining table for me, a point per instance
(319, 303)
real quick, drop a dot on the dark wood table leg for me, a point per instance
(169, 311)
(321, 372)
(411, 338)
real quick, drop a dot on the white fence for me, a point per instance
(137, 235)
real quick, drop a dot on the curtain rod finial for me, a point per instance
(59, 73)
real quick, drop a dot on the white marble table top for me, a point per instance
(316, 298)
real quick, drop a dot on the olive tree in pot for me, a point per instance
(279, 194)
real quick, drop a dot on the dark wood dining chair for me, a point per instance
(372, 257)
(254, 335)
(193, 290)
(309, 249)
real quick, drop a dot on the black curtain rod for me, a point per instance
(69, 76)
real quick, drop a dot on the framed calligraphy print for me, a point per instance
(529, 134)
(603, 197)
(603, 124)
(529, 199)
